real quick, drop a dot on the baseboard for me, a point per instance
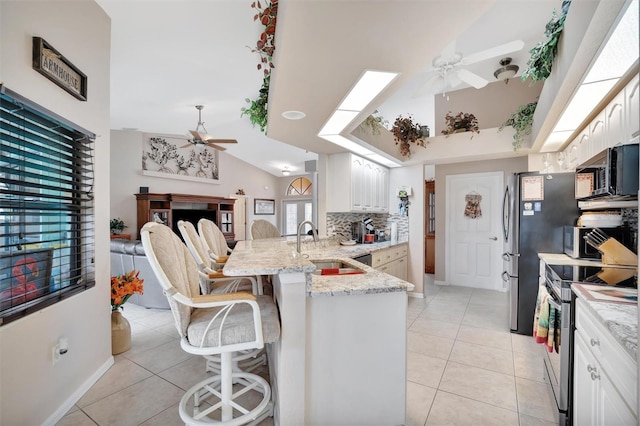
(75, 397)
(436, 282)
(415, 295)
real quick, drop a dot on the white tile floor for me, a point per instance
(464, 368)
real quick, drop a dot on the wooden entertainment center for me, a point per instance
(170, 208)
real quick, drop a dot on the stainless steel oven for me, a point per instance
(558, 365)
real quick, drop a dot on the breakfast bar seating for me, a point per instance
(213, 324)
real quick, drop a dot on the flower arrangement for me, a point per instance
(117, 226)
(462, 121)
(406, 132)
(123, 287)
(521, 121)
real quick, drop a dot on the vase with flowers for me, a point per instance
(406, 131)
(461, 122)
(122, 288)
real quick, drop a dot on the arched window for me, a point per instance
(299, 186)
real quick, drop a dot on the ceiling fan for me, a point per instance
(201, 137)
(450, 72)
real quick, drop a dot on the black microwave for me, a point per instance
(577, 247)
(612, 173)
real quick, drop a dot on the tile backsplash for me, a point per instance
(342, 223)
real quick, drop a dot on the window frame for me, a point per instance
(47, 207)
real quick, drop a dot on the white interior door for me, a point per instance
(473, 230)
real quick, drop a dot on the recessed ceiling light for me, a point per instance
(294, 115)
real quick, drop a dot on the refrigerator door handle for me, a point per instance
(508, 255)
(507, 276)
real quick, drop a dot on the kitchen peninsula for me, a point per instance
(341, 358)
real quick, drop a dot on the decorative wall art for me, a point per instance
(472, 209)
(261, 206)
(24, 276)
(166, 156)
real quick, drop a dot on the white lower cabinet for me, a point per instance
(392, 261)
(604, 375)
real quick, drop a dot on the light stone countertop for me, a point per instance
(621, 319)
(563, 259)
(278, 255)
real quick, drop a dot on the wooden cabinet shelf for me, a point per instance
(171, 208)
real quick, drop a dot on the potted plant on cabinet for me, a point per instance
(117, 226)
(521, 121)
(461, 122)
(406, 132)
(375, 121)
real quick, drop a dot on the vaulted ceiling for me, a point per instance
(168, 56)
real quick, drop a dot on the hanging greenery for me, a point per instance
(543, 53)
(265, 46)
(521, 121)
(375, 122)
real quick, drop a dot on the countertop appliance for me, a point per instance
(358, 232)
(558, 366)
(614, 172)
(536, 207)
(577, 247)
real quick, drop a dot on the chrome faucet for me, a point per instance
(313, 231)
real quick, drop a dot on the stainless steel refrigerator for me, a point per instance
(536, 207)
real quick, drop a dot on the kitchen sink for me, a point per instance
(335, 267)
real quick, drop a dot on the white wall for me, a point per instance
(412, 176)
(126, 180)
(32, 390)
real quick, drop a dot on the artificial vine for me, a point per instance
(265, 46)
(521, 121)
(543, 53)
(375, 122)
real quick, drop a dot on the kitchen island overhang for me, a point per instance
(342, 356)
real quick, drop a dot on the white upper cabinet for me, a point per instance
(597, 134)
(357, 185)
(615, 121)
(632, 106)
(617, 124)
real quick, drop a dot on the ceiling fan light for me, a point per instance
(507, 70)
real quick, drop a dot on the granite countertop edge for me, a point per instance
(620, 319)
(278, 255)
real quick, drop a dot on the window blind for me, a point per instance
(46, 207)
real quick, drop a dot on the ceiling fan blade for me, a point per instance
(222, 140)
(449, 50)
(503, 49)
(214, 146)
(429, 86)
(187, 145)
(471, 78)
(197, 135)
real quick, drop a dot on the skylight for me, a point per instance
(616, 57)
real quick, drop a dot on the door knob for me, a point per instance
(493, 238)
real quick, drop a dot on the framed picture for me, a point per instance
(24, 276)
(261, 206)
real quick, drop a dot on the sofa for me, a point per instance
(128, 255)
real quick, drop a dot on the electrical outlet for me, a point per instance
(55, 354)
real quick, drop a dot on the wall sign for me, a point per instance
(50, 63)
